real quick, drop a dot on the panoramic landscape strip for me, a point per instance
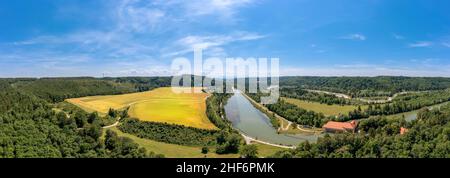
(225, 87)
(112, 115)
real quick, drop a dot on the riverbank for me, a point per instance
(367, 101)
(284, 126)
(249, 140)
(253, 123)
(274, 117)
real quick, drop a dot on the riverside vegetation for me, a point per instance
(36, 122)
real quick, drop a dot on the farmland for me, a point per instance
(158, 105)
(329, 110)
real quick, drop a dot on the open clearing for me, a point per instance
(180, 151)
(158, 105)
(329, 110)
(172, 150)
(265, 151)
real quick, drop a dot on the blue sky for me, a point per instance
(138, 37)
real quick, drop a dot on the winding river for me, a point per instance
(412, 115)
(253, 123)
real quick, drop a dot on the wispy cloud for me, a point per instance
(140, 19)
(139, 30)
(223, 8)
(446, 44)
(420, 44)
(398, 37)
(356, 37)
(189, 43)
(369, 70)
(216, 40)
(82, 37)
(141, 15)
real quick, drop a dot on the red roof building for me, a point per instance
(403, 130)
(334, 127)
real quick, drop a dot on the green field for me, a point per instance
(172, 150)
(158, 105)
(267, 150)
(328, 110)
(180, 151)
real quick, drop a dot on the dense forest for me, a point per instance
(143, 83)
(368, 86)
(294, 113)
(169, 133)
(225, 141)
(34, 122)
(403, 103)
(323, 98)
(31, 128)
(58, 89)
(215, 110)
(426, 137)
(44, 98)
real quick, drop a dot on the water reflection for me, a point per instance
(252, 122)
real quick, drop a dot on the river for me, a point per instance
(412, 115)
(253, 123)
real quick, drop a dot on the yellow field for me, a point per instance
(329, 110)
(158, 105)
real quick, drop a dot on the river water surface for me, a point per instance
(253, 123)
(412, 115)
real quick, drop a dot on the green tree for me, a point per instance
(249, 151)
(205, 150)
(111, 140)
(112, 113)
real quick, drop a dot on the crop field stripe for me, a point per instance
(158, 105)
(329, 110)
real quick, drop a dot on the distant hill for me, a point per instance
(367, 86)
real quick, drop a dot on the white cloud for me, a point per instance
(368, 70)
(222, 8)
(398, 37)
(138, 23)
(356, 36)
(216, 40)
(159, 15)
(420, 44)
(140, 16)
(193, 42)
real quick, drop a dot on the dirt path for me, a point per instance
(307, 130)
(249, 140)
(112, 125)
(287, 127)
(389, 99)
(339, 95)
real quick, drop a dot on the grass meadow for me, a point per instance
(158, 105)
(328, 110)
